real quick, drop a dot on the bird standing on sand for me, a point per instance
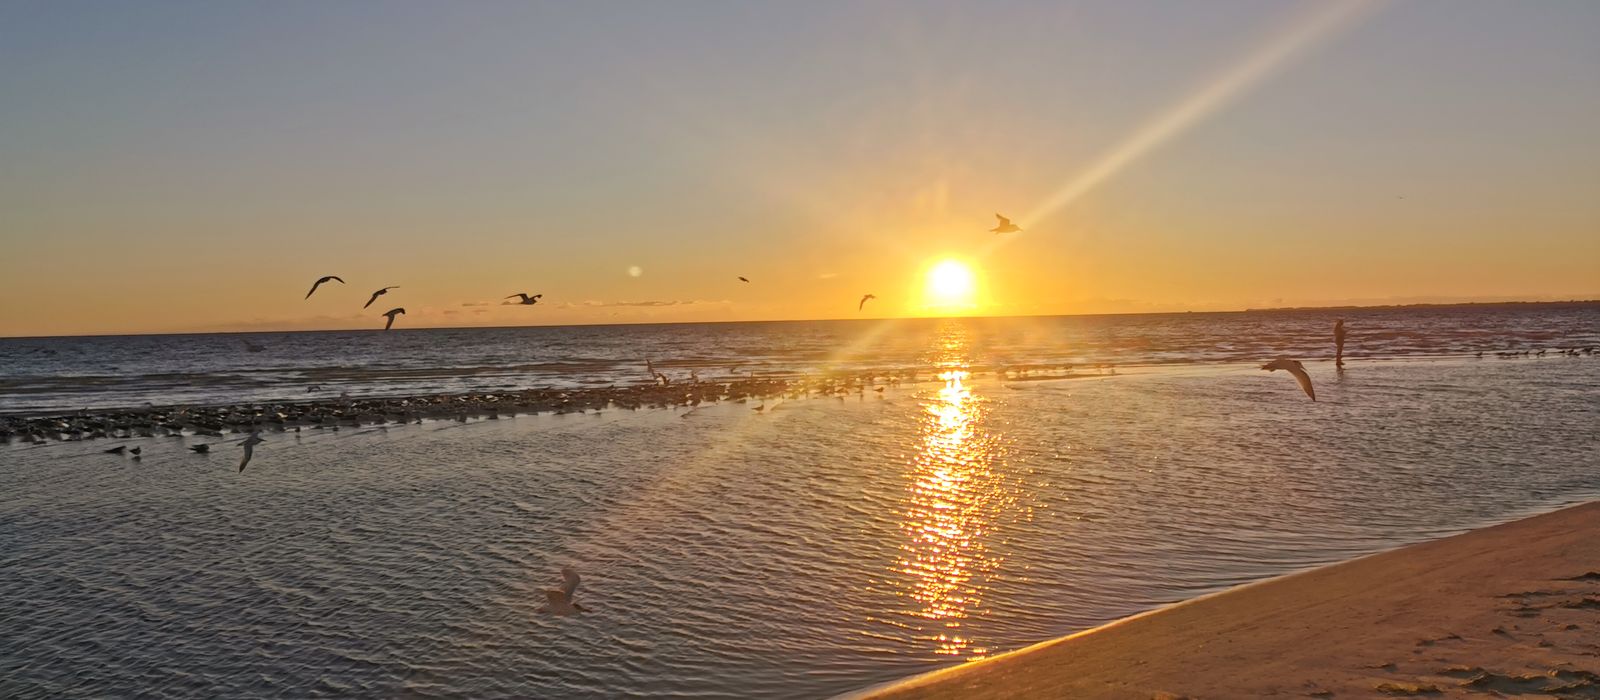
(319, 282)
(249, 445)
(1005, 226)
(1295, 368)
(1338, 343)
(377, 294)
(864, 301)
(526, 300)
(391, 314)
(560, 599)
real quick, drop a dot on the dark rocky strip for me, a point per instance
(216, 421)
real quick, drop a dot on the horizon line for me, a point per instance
(1270, 309)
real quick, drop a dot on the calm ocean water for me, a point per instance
(124, 371)
(816, 547)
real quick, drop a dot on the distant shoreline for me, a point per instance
(1576, 303)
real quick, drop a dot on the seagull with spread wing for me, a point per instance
(864, 301)
(319, 282)
(1005, 225)
(1295, 368)
(560, 599)
(377, 294)
(391, 313)
(526, 300)
(249, 445)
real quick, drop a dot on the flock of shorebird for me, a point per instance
(1004, 225)
(388, 315)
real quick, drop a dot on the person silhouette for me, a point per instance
(1338, 343)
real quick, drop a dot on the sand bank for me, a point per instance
(1512, 609)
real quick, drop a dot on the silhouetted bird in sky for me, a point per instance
(377, 294)
(319, 284)
(741, 279)
(249, 445)
(526, 300)
(1005, 225)
(864, 301)
(391, 314)
(560, 599)
(1295, 368)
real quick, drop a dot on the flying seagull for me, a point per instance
(1005, 225)
(377, 294)
(249, 445)
(864, 301)
(741, 279)
(201, 449)
(1295, 368)
(527, 300)
(390, 314)
(319, 284)
(560, 599)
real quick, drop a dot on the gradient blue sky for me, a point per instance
(195, 165)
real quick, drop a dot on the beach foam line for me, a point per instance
(1511, 607)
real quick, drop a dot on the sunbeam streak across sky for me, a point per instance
(1315, 24)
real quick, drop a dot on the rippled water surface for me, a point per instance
(814, 547)
(122, 371)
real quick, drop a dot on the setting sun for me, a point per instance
(950, 284)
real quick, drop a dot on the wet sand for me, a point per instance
(1512, 609)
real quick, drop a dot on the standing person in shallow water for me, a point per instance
(1338, 343)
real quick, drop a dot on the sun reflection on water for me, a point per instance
(953, 498)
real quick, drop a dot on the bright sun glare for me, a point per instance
(950, 284)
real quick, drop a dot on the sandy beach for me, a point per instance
(1512, 609)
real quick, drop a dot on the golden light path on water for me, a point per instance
(954, 497)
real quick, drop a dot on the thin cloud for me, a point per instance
(592, 303)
